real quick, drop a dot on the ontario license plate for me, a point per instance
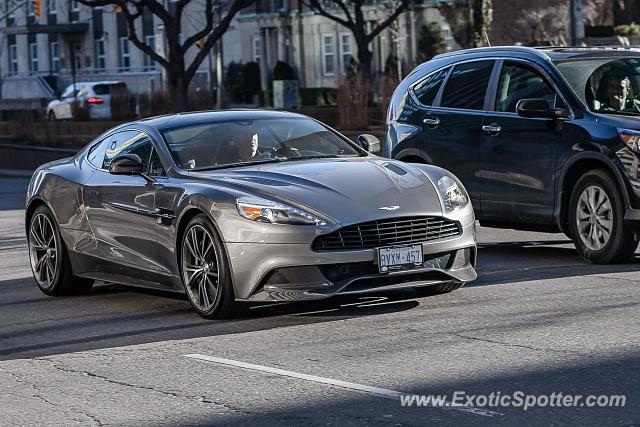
(399, 258)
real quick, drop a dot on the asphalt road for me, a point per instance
(538, 320)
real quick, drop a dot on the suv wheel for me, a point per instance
(596, 220)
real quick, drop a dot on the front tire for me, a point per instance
(596, 220)
(49, 258)
(205, 271)
(52, 116)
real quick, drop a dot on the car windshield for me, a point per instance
(606, 85)
(218, 144)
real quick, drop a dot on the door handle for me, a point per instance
(492, 129)
(431, 121)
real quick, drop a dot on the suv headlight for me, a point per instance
(264, 210)
(631, 138)
(453, 195)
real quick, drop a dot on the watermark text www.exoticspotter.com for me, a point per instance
(517, 399)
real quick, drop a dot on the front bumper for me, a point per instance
(288, 272)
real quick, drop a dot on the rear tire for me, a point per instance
(49, 258)
(596, 220)
(205, 272)
(52, 116)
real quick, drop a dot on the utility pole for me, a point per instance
(576, 22)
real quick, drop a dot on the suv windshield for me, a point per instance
(216, 145)
(606, 85)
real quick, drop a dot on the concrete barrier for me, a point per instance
(29, 157)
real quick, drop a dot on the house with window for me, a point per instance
(318, 48)
(39, 57)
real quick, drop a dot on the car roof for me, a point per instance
(170, 121)
(547, 52)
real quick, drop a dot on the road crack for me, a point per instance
(528, 347)
(195, 398)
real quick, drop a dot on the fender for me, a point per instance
(415, 153)
(559, 209)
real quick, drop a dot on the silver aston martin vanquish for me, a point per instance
(240, 206)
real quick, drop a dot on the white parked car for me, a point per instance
(92, 96)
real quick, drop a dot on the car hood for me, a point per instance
(347, 190)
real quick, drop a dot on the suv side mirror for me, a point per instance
(369, 143)
(539, 108)
(126, 164)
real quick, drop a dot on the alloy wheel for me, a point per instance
(594, 217)
(200, 267)
(43, 250)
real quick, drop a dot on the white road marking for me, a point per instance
(376, 391)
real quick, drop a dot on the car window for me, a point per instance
(106, 89)
(518, 82)
(68, 92)
(95, 156)
(215, 144)
(607, 85)
(427, 90)
(467, 86)
(128, 142)
(155, 165)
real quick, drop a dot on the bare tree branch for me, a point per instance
(131, 18)
(209, 15)
(215, 35)
(317, 8)
(404, 4)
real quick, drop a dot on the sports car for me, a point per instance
(236, 207)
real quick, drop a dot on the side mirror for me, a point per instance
(126, 164)
(369, 143)
(539, 108)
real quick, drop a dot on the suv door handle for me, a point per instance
(492, 129)
(432, 122)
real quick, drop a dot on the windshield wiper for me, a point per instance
(236, 165)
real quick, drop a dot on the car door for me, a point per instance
(517, 153)
(452, 126)
(120, 208)
(62, 109)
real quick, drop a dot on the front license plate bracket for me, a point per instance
(399, 258)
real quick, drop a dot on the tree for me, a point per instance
(481, 17)
(350, 14)
(430, 41)
(179, 73)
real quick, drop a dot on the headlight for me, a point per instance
(631, 138)
(453, 196)
(264, 210)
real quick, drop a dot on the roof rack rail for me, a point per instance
(526, 49)
(632, 48)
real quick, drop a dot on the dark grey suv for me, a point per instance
(543, 139)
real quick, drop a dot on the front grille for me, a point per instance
(387, 232)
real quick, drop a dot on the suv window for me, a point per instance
(68, 92)
(518, 82)
(106, 89)
(427, 90)
(128, 142)
(467, 85)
